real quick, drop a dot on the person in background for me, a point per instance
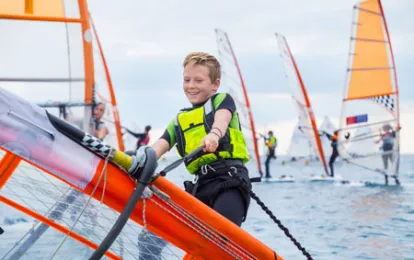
(334, 144)
(98, 128)
(271, 144)
(101, 129)
(142, 138)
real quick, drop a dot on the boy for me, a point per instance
(221, 178)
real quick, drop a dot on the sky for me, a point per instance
(145, 43)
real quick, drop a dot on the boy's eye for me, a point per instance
(198, 80)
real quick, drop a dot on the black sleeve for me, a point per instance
(227, 103)
(166, 136)
(141, 136)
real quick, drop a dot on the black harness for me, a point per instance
(220, 176)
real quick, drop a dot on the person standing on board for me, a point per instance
(142, 138)
(334, 143)
(387, 138)
(221, 180)
(271, 144)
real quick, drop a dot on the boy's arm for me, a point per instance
(222, 120)
(161, 146)
(224, 113)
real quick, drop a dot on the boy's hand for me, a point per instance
(139, 160)
(211, 142)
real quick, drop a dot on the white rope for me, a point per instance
(103, 173)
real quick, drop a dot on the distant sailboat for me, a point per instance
(369, 125)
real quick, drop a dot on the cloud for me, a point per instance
(147, 49)
(314, 27)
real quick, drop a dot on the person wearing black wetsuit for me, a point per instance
(335, 154)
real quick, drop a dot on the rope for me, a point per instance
(280, 225)
(144, 219)
(270, 213)
(103, 173)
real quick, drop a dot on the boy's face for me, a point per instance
(197, 83)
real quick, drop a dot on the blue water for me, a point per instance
(331, 220)
(334, 221)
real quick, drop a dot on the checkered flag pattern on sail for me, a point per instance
(385, 100)
(95, 144)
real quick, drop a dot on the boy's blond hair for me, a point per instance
(202, 58)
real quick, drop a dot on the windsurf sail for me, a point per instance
(369, 126)
(232, 80)
(307, 124)
(328, 127)
(300, 147)
(36, 170)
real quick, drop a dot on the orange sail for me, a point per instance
(170, 212)
(369, 126)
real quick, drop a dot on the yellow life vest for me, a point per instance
(272, 142)
(192, 125)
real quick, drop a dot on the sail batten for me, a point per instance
(42, 79)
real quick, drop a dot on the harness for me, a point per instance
(220, 176)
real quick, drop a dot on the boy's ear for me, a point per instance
(216, 84)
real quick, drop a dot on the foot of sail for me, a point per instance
(1, 231)
(386, 180)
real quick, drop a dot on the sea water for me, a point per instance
(330, 220)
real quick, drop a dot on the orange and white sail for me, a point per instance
(307, 124)
(232, 81)
(370, 109)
